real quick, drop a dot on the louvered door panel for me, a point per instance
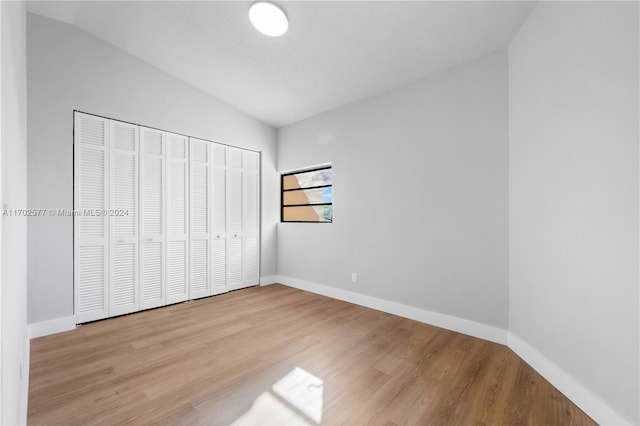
(219, 208)
(251, 218)
(124, 289)
(234, 194)
(124, 194)
(153, 217)
(234, 226)
(199, 261)
(234, 201)
(219, 219)
(200, 186)
(92, 195)
(199, 198)
(234, 263)
(153, 283)
(219, 265)
(178, 218)
(177, 271)
(92, 283)
(250, 261)
(250, 202)
(91, 227)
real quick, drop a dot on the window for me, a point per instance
(307, 196)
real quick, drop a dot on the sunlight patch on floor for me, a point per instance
(295, 399)
(303, 391)
(268, 410)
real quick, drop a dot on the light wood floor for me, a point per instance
(277, 355)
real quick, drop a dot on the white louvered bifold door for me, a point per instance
(152, 217)
(251, 218)
(177, 218)
(234, 219)
(124, 290)
(200, 186)
(219, 219)
(91, 228)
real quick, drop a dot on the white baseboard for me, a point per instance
(53, 326)
(590, 403)
(271, 279)
(471, 328)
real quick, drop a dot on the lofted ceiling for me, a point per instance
(335, 52)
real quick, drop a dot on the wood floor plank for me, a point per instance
(280, 355)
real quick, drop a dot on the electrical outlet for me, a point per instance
(354, 277)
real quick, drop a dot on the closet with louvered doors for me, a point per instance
(163, 218)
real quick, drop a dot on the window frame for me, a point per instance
(282, 191)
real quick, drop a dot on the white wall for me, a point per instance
(423, 209)
(420, 204)
(573, 196)
(70, 69)
(13, 122)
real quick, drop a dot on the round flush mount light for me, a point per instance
(268, 18)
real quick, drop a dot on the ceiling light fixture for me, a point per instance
(268, 18)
